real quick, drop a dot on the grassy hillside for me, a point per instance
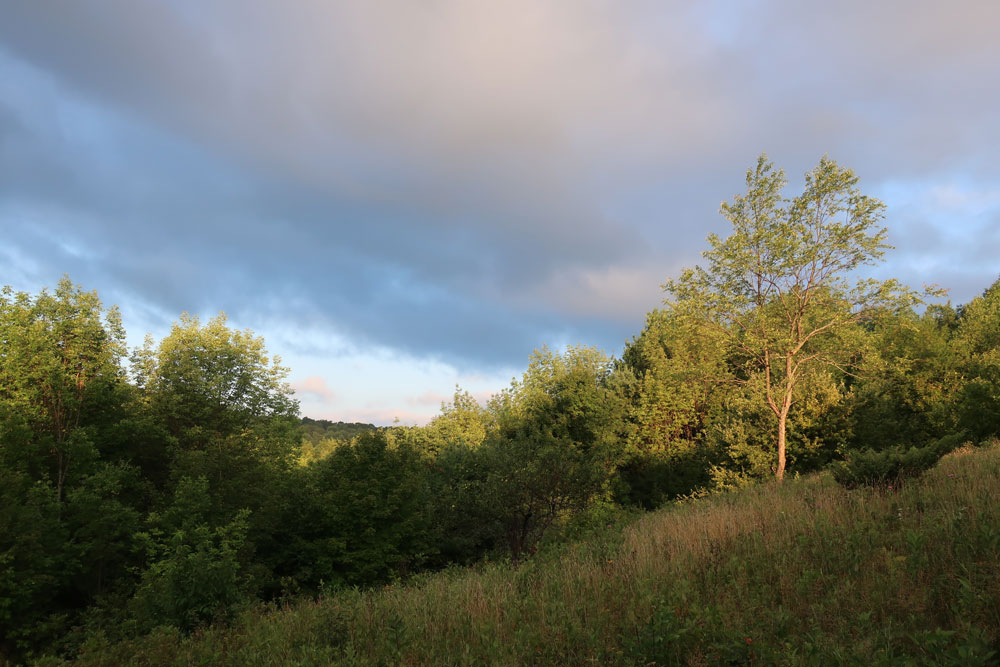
(804, 573)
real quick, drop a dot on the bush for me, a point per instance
(887, 468)
(650, 480)
(195, 572)
(950, 443)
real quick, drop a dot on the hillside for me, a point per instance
(321, 436)
(315, 431)
(799, 573)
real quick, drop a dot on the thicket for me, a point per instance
(803, 573)
(162, 489)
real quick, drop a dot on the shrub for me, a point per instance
(886, 468)
(950, 443)
(195, 572)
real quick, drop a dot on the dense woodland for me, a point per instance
(174, 484)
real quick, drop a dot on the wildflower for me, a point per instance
(748, 640)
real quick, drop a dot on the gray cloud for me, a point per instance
(465, 180)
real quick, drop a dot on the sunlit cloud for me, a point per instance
(317, 388)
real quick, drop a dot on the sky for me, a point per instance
(402, 197)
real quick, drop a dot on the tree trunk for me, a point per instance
(782, 418)
(786, 405)
(62, 464)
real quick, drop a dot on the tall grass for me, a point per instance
(800, 573)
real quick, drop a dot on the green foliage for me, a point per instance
(315, 431)
(890, 467)
(555, 447)
(209, 381)
(34, 561)
(372, 521)
(672, 377)
(229, 418)
(321, 436)
(177, 495)
(651, 480)
(908, 382)
(465, 521)
(101, 515)
(195, 572)
(806, 573)
(778, 289)
(59, 370)
(696, 427)
(979, 322)
(978, 336)
(678, 373)
(462, 423)
(678, 633)
(740, 432)
(63, 528)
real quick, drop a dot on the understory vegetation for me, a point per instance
(168, 505)
(804, 573)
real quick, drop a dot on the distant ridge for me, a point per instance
(315, 431)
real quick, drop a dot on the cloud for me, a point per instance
(316, 387)
(466, 181)
(957, 199)
(428, 398)
(616, 292)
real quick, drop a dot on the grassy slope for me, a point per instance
(805, 573)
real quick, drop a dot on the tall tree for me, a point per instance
(213, 379)
(781, 289)
(60, 362)
(64, 517)
(230, 417)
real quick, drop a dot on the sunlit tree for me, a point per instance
(782, 289)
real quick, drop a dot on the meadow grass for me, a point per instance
(803, 572)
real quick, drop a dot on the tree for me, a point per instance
(674, 381)
(229, 417)
(555, 448)
(65, 512)
(372, 519)
(60, 357)
(214, 379)
(462, 422)
(223, 401)
(781, 289)
(978, 342)
(911, 380)
(195, 570)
